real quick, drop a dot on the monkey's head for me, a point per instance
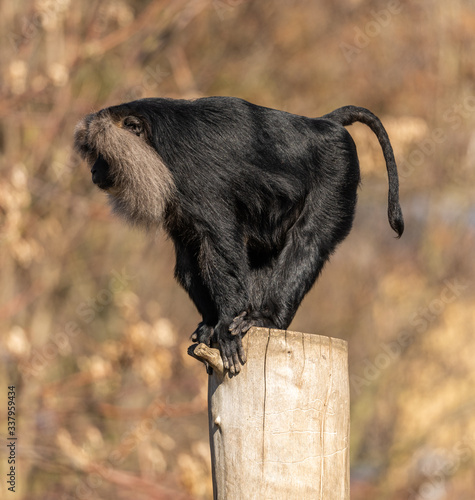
(116, 143)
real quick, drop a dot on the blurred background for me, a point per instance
(94, 330)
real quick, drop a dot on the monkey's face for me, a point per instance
(89, 142)
(115, 144)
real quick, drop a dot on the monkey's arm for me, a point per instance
(188, 274)
(224, 271)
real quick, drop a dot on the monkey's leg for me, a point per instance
(284, 286)
(225, 274)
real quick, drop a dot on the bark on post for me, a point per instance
(280, 429)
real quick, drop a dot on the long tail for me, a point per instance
(350, 114)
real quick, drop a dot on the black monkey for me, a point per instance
(254, 199)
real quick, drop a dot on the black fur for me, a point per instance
(262, 198)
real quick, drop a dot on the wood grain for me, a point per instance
(280, 429)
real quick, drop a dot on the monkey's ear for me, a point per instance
(134, 124)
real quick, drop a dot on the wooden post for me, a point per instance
(280, 429)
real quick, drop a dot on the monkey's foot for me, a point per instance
(203, 334)
(244, 321)
(232, 352)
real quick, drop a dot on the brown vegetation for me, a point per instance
(93, 329)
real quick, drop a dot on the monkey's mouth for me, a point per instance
(102, 181)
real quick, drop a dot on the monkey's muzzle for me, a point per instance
(101, 175)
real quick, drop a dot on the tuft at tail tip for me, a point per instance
(396, 221)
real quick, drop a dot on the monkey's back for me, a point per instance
(264, 163)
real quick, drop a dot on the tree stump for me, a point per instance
(279, 430)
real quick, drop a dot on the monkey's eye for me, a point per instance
(133, 124)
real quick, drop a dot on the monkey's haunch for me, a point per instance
(254, 199)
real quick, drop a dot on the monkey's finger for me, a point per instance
(246, 327)
(241, 353)
(231, 355)
(236, 330)
(241, 329)
(224, 357)
(236, 362)
(195, 336)
(236, 323)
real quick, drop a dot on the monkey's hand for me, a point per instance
(231, 348)
(203, 334)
